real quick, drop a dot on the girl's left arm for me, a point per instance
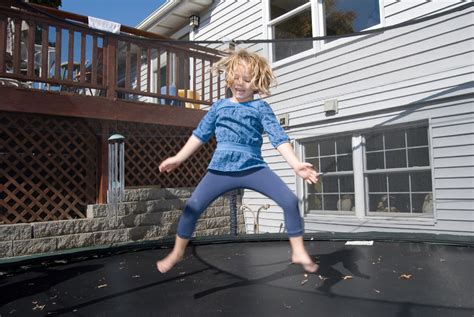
(302, 169)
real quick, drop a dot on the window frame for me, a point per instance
(318, 26)
(361, 192)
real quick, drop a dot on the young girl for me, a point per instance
(238, 124)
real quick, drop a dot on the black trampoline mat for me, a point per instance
(249, 279)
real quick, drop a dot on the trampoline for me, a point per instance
(245, 278)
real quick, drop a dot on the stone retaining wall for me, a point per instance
(146, 214)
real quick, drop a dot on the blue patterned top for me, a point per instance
(238, 128)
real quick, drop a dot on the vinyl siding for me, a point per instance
(421, 72)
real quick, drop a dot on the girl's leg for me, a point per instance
(209, 188)
(269, 184)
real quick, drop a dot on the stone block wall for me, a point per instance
(145, 214)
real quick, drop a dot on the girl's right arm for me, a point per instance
(186, 151)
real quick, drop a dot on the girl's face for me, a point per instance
(241, 85)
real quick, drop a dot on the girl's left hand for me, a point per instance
(307, 172)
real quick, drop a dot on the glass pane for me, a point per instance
(344, 163)
(346, 203)
(421, 182)
(311, 149)
(315, 202)
(417, 136)
(330, 202)
(344, 145)
(327, 147)
(422, 203)
(330, 185)
(315, 188)
(375, 161)
(395, 140)
(398, 183)
(328, 164)
(418, 157)
(347, 184)
(378, 202)
(348, 16)
(399, 203)
(377, 183)
(298, 26)
(374, 142)
(396, 159)
(280, 7)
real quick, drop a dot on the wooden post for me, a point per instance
(102, 163)
(111, 83)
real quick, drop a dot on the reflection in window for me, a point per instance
(298, 26)
(349, 16)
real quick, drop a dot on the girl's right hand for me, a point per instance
(169, 164)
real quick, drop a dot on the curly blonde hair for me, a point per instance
(261, 72)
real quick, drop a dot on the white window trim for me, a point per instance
(318, 23)
(362, 216)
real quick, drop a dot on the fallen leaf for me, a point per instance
(405, 276)
(101, 286)
(347, 277)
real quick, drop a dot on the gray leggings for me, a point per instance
(261, 179)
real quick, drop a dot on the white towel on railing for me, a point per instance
(104, 25)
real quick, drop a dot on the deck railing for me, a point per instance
(49, 49)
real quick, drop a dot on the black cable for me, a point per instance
(249, 41)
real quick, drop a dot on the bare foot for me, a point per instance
(306, 262)
(168, 262)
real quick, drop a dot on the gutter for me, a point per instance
(157, 14)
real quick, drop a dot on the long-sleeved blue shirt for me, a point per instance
(238, 128)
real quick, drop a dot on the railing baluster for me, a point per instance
(158, 72)
(44, 50)
(3, 42)
(70, 58)
(211, 84)
(218, 85)
(168, 60)
(194, 78)
(139, 68)
(31, 49)
(83, 76)
(94, 60)
(17, 47)
(202, 78)
(57, 63)
(148, 62)
(127, 67)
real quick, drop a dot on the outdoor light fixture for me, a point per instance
(194, 21)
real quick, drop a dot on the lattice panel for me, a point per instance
(147, 145)
(47, 167)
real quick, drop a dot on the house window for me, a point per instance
(349, 16)
(396, 173)
(300, 19)
(335, 191)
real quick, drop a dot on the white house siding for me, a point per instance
(420, 72)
